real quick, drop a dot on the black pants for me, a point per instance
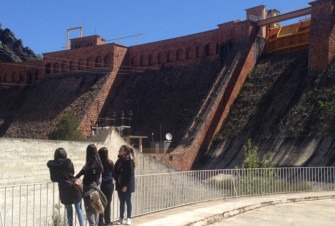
(107, 188)
(125, 197)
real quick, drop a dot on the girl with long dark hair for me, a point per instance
(92, 171)
(61, 171)
(107, 186)
(125, 180)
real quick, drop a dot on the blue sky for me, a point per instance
(42, 24)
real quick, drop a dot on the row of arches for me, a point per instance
(81, 64)
(20, 77)
(178, 55)
(28, 77)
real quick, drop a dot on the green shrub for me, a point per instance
(57, 218)
(67, 128)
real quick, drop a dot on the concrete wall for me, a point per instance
(24, 160)
(311, 151)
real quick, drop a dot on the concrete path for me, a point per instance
(207, 213)
(306, 213)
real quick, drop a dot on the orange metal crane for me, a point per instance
(70, 29)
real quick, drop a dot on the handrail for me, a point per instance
(36, 203)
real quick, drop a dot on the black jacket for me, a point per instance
(124, 174)
(59, 167)
(91, 175)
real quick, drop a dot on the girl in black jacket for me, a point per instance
(107, 186)
(125, 180)
(61, 170)
(92, 173)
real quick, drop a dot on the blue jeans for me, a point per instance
(125, 197)
(79, 213)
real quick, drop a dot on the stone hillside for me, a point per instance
(31, 112)
(12, 49)
(283, 109)
(169, 97)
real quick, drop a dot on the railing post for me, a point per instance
(5, 210)
(12, 205)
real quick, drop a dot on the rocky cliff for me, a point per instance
(12, 49)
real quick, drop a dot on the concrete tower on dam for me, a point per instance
(234, 46)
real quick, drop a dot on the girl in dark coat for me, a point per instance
(107, 186)
(92, 172)
(61, 169)
(125, 180)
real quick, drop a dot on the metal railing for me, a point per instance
(38, 204)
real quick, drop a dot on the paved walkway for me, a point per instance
(306, 213)
(206, 213)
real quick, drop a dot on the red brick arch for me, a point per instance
(217, 48)
(188, 54)
(23, 77)
(108, 60)
(56, 67)
(150, 60)
(169, 56)
(179, 55)
(13, 77)
(198, 51)
(37, 75)
(98, 61)
(142, 61)
(80, 64)
(64, 66)
(89, 62)
(48, 69)
(207, 49)
(30, 77)
(72, 65)
(6, 78)
(159, 58)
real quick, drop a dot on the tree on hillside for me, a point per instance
(67, 128)
(252, 160)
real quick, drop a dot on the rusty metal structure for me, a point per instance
(289, 38)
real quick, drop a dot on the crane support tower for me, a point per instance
(70, 29)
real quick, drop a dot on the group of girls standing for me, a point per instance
(99, 173)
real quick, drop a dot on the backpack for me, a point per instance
(96, 199)
(96, 202)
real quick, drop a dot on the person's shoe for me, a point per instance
(120, 221)
(128, 221)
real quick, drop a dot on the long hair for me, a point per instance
(130, 152)
(92, 158)
(103, 153)
(60, 153)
